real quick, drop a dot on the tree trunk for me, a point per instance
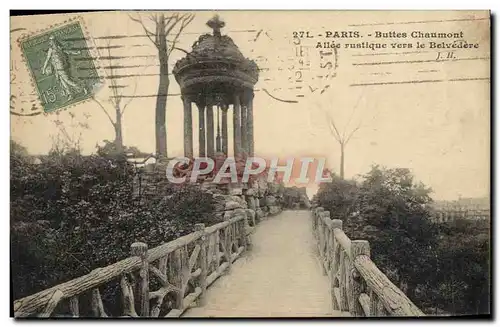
(342, 160)
(118, 130)
(161, 98)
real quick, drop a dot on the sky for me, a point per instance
(436, 127)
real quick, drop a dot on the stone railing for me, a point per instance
(357, 286)
(183, 268)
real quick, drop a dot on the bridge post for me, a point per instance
(141, 250)
(323, 236)
(226, 241)
(343, 303)
(203, 262)
(176, 277)
(354, 285)
(334, 262)
(316, 215)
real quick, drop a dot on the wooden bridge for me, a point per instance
(295, 264)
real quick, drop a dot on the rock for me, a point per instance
(238, 199)
(234, 198)
(220, 215)
(219, 202)
(262, 186)
(251, 202)
(259, 214)
(273, 210)
(236, 191)
(250, 217)
(231, 205)
(219, 206)
(270, 200)
(251, 192)
(228, 215)
(219, 197)
(272, 189)
(262, 202)
(239, 212)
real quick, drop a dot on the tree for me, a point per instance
(116, 98)
(164, 27)
(344, 137)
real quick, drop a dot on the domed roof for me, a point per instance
(209, 45)
(215, 58)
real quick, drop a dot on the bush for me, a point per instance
(338, 197)
(297, 195)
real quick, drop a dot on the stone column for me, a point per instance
(188, 127)
(244, 131)
(210, 131)
(201, 133)
(237, 124)
(224, 109)
(249, 124)
(218, 141)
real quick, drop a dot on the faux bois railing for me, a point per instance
(357, 285)
(184, 267)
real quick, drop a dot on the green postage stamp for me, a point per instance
(61, 65)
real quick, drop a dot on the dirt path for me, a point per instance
(279, 277)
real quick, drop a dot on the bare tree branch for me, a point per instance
(149, 34)
(153, 18)
(116, 96)
(180, 49)
(352, 133)
(186, 19)
(354, 110)
(130, 99)
(333, 128)
(172, 21)
(103, 109)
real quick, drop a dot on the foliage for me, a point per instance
(112, 151)
(439, 267)
(462, 267)
(293, 195)
(72, 213)
(338, 197)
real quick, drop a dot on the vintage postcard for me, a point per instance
(179, 164)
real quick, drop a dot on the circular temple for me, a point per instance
(215, 66)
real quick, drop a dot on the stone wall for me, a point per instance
(257, 201)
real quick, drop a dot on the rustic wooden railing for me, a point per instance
(357, 285)
(184, 267)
